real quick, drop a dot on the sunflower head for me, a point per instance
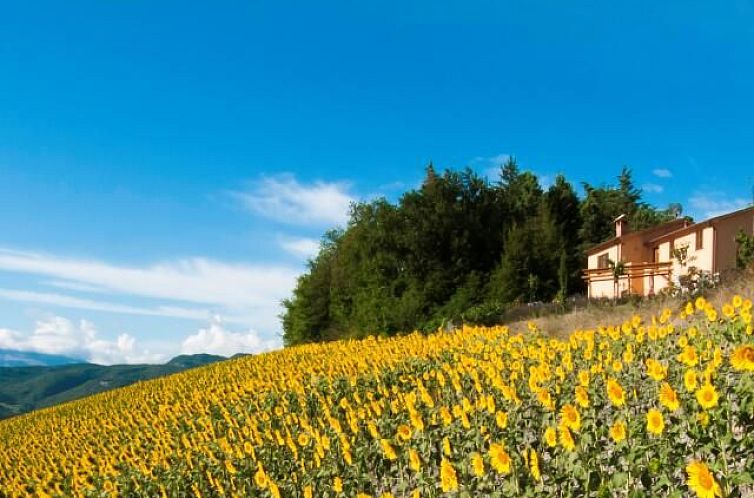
(655, 422)
(743, 358)
(701, 481)
(707, 396)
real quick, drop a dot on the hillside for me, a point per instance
(655, 405)
(13, 358)
(23, 389)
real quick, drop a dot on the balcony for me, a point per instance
(638, 278)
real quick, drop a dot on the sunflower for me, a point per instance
(689, 309)
(584, 378)
(616, 393)
(448, 477)
(274, 491)
(337, 484)
(701, 481)
(743, 358)
(404, 432)
(477, 464)
(544, 397)
(388, 449)
(551, 437)
(618, 431)
(703, 418)
(446, 416)
(501, 420)
(688, 357)
(656, 370)
(728, 310)
(655, 422)
(413, 460)
(582, 397)
(707, 396)
(260, 477)
(446, 450)
(668, 397)
(303, 439)
(534, 465)
(566, 439)
(499, 458)
(689, 380)
(569, 417)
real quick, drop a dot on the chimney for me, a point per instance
(621, 225)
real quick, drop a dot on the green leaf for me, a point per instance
(742, 478)
(619, 479)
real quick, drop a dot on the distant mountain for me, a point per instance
(11, 358)
(27, 388)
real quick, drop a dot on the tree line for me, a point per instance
(458, 248)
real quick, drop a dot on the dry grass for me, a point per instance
(561, 325)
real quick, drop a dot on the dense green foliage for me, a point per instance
(745, 252)
(23, 389)
(458, 248)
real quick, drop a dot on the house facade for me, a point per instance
(649, 263)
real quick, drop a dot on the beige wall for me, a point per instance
(700, 258)
(704, 256)
(603, 288)
(665, 252)
(612, 253)
(725, 240)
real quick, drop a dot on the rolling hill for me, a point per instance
(26, 388)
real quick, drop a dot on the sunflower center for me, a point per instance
(706, 481)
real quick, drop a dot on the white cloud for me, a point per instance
(89, 304)
(662, 173)
(215, 339)
(284, 199)
(709, 204)
(74, 286)
(302, 247)
(229, 288)
(59, 335)
(652, 188)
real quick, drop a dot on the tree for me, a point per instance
(307, 313)
(455, 248)
(520, 192)
(602, 205)
(745, 252)
(618, 269)
(564, 209)
(562, 278)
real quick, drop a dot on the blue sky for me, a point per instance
(166, 167)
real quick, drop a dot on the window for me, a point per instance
(602, 261)
(656, 254)
(699, 239)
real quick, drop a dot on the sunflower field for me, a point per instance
(662, 407)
